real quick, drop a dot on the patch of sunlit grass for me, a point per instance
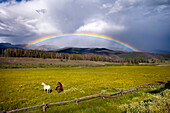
(22, 87)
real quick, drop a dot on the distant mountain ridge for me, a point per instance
(9, 45)
(112, 53)
(86, 51)
(45, 47)
(98, 51)
(23, 46)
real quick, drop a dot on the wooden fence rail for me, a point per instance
(95, 97)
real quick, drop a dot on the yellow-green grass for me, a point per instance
(25, 62)
(22, 87)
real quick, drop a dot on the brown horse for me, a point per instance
(59, 87)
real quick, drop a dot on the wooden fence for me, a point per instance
(91, 97)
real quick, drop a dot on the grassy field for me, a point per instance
(14, 62)
(22, 87)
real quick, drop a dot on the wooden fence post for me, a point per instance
(44, 107)
(102, 95)
(76, 101)
(149, 85)
(137, 88)
(121, 92)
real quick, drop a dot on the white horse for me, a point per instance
(46, 87)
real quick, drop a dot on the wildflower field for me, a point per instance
(21, 88)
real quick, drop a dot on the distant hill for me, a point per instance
(99, 51)
(8, 45)
(118, 54)
(23, 46)
(44, 47)
(103, 51)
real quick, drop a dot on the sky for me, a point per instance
(143, 24)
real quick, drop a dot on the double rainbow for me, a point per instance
(83, 35)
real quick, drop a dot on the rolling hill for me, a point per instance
(98, 51)
(120, 54)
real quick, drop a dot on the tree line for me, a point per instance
(65, 56)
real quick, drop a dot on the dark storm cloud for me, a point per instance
(147, 24)
(144, 24)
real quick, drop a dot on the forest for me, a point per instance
(65, 56)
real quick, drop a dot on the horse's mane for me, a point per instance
(59, 83)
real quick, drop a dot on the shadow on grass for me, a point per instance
(49, 91)
(167, 86)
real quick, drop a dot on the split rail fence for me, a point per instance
(91, 97)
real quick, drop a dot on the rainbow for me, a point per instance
(84, 35)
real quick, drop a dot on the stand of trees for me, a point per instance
(47, 54)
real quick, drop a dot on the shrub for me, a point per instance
(153, 103)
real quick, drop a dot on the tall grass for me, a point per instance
(22, 87)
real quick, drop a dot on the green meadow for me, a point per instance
(21, 88)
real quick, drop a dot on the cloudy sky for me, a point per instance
(143, 24)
